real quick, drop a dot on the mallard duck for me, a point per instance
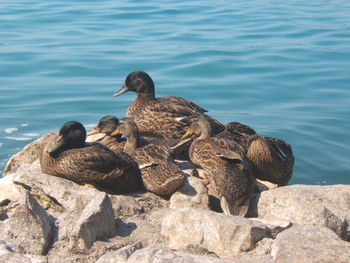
(106, 125)
(159, 117)
(159, 173)
(225, 165)
(272, 159)
(70, 157)
(109, 123)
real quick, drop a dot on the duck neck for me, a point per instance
(205, 131)
(143, 97)
(131, 144)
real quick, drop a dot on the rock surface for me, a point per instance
(310, 244)
(27, 155)
(46, 219)
(96, 222)
(226, 236)
(159, 255)
(327, 206)
(27, 227)
(120, 255)
(54, 193)
(192, 193)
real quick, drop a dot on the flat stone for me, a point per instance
(224, 235)
(327, 206)
(192, 193)
(310, 244)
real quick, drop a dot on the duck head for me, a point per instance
(106, 125)
(198, 127)
(71, 135)
(128, 128)
(139, 82)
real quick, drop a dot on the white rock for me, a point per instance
(96, 222)
(120, 255)
(224, 235)
(160, 255)
(192, 193)
(27, 228)
(327, 206)
(310, 244)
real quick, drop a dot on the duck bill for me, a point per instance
(187, 134)
(116, 132)
(58, 144)
(121, 91)
(93, 131)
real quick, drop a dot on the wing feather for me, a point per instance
(175, 107)
(226, 149)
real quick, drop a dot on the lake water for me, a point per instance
(282, 67)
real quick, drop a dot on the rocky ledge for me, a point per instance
(49, 219)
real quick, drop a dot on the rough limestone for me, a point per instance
(327, 206)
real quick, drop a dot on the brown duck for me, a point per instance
(272, 159)
(159, 173)
(224, 164)
(70, 157)
(159, 117)
(102, 134)
(106, 125)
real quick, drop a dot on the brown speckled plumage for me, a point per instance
(239, 133)
(225, 165)
(159, 174)
(107, 124)
(272, 159)
(159, 117)
(88, 162)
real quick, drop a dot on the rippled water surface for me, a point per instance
(282, 67)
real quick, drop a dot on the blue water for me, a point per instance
(282, 67)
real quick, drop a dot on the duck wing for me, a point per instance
(152, 154)
(237, 127)
(100, 159)
(163, 178)
(175, 107)
(282, 149)
(226, 149)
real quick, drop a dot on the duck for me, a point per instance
(160, 174)
(106, 125)
(101, 133)
(67, 155)
(224, 164)
(271, 158)
(159, 117)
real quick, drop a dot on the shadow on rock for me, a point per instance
(125, 229)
